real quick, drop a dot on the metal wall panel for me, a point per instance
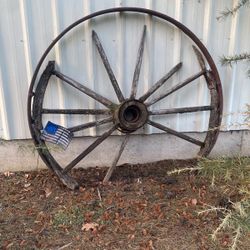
(28, 26)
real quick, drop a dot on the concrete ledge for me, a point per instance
(20, 155)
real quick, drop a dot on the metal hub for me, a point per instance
(131, 115)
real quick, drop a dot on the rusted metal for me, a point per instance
(127, 115)
(159, 83)
(138, 65)
(131, 115)
(108, 67)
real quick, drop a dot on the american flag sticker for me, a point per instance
(56, 134)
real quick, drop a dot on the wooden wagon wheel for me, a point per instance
(128, 114)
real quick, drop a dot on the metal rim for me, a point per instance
(132, 108)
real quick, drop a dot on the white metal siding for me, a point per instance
(28, 26)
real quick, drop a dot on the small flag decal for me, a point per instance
(56, 134)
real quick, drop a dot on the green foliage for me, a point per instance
(229, 60)
(235, 172)
(73, 217)
(233, 11)
(232, 176)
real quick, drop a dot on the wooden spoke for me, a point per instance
(117, 157)
(180, 110)
(160, 82)
(90, 124)
(84, 89)
(202, 64)
(107, 66)
(89, 149)
(174, 132)
(199, 58)
(175, 88)
(138, 65)
(77, 111)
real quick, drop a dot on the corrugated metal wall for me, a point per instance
(28, 26)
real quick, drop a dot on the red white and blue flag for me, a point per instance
(56, 134)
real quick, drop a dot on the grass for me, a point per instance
(72, 217)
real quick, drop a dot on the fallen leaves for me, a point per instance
(8, 174)
(136, 212)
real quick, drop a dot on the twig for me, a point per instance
(221, 226)
(99, 195)
(63, 247)
(211, 210)
(178, 171)
(236, 239)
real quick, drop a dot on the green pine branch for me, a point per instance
(233, 11)
(229, 60)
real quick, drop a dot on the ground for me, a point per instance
(141, 208)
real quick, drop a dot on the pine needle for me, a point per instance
(233, 11)
(229, 60)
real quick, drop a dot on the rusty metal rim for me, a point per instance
(179, 25)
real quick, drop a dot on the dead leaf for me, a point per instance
(8, 174)
(194, 202)
(9, 245)
(48, 192)
(26, 185)
(90, 226)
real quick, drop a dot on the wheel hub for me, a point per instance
(131, 115)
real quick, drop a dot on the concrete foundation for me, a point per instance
(20, 155)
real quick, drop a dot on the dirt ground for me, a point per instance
(141, 208)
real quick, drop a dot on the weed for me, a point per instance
(232, 176)
(73, 217)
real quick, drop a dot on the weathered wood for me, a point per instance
(199, 57)
(180, 110)
(138, 65)
(117, 157)
(173, 132)
(175, 88)
(90, 124)
(90, 148)
(84, 89)
(40, 92)
(214, 121)
(160, 82)
(107, 67)
(202, 64)
(77, 111)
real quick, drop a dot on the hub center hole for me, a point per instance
(131, 113)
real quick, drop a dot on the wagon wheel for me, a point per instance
(128, 114)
